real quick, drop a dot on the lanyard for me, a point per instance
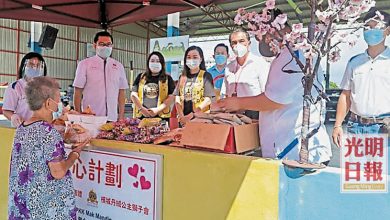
(218, 77)
(237, 75)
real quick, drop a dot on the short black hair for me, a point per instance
(222, 45)
(372, 13)
(29, 56)
(240, 30)
(102, 34)
(274, 13)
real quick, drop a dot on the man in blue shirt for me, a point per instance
(221, 54)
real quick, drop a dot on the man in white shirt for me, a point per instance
(101, 82)
(247, 74)
(281, 111)
(366, 83)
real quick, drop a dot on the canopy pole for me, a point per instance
(173, 30)
(148, 40)
(103, 15)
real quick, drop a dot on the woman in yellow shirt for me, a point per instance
(152, 90)
(195, 88)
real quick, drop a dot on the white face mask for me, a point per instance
(155, 67)
(103, 51)
(193, 63)
(240, 50)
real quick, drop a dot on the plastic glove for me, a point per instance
(145, 112)
(16, 120)
(153, 112)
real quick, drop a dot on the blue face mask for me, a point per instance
(58, 113)
(220, 59)
(374, 36)
(32, 72)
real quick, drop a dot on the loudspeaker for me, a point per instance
(48, 37)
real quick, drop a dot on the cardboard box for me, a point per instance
(89, 119)
(221, 137)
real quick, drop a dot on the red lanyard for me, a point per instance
(237, 75)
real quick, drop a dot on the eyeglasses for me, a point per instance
(101, 44)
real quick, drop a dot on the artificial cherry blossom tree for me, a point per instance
(314, 43)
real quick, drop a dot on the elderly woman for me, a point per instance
(40, 184)
(15, 107)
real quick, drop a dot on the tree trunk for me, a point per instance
(304, 151)
(308, 79)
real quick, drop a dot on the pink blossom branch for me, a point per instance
(336, 44)
(327, 33)
(300, 64)
(352, 32)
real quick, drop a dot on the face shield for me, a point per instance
(33, 67)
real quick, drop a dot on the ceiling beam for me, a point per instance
(210, 34)
(153, 27)
(216, 13)
(219, 15)
(210, 24)
(231, 11)
(127, 13)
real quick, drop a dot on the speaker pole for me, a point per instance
(35, 33)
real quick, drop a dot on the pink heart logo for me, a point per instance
(133, 171)
(144, 183)
(135, 184)
(142, 170)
